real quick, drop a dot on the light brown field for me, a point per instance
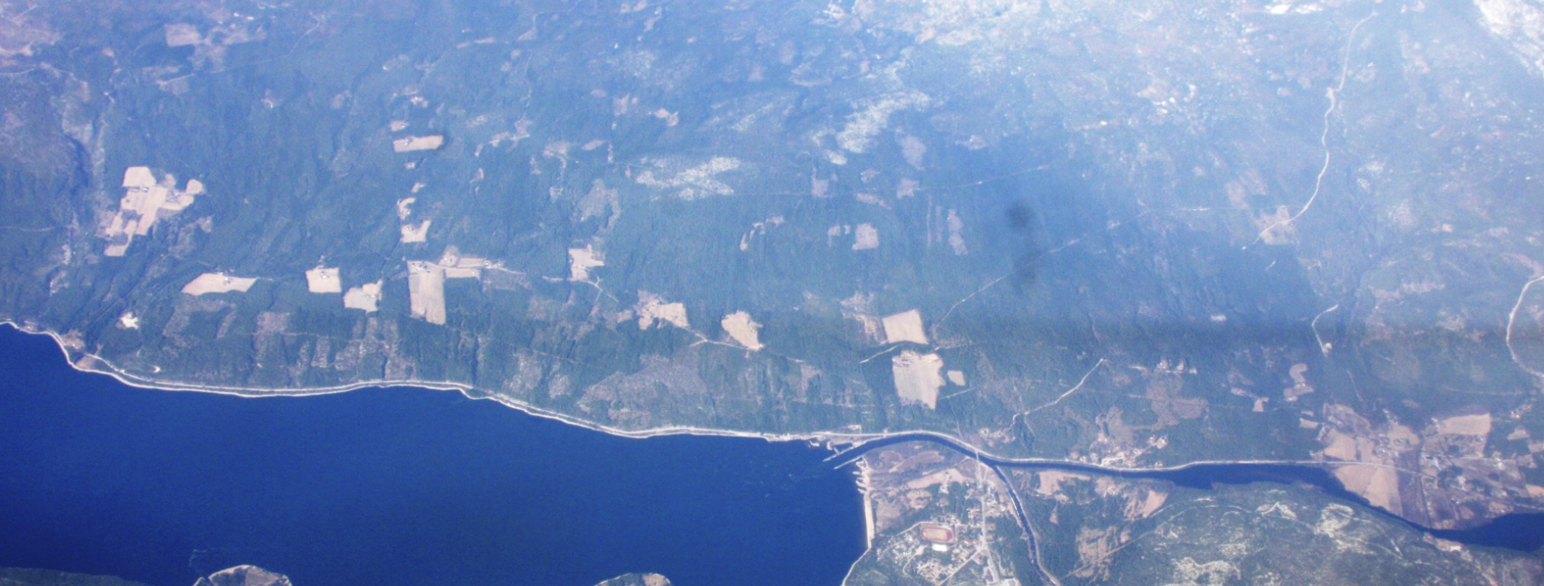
(916, 377)
(581, 260)
(180, 200)
(1380, 486)
(1277, 229)
(675, 313)
(834, 231)
(182, 35)
(1144, 503)
(956, 377)
(1050, 481)
(1300, 384)
(144, 200)
(363, 297)
(456, 266)
(1094, 549)
(462, 267)
(743, 330)
(905, 326)
(872, 326)
(652, 308)
(597, 201)
(912, 150)
(138, 177)
(426, 287)
(956, 240)
(1340, 446)
(1376, 480)
(1477, 425)
(323, 280)
(670, 118)
(945, 476)
(418, 143)
(867, 238)
(419, 233)
(217, 283)
(871, 199)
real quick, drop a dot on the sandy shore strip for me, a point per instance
(828, 440)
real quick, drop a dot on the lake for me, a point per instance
(392, 486)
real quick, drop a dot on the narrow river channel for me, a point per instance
(1517, 531)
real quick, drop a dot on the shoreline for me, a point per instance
(827, 442)
(846, 449)
(257, 393)
(841, 444)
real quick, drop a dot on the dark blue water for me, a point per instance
(1517, 531)
(391, 486)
